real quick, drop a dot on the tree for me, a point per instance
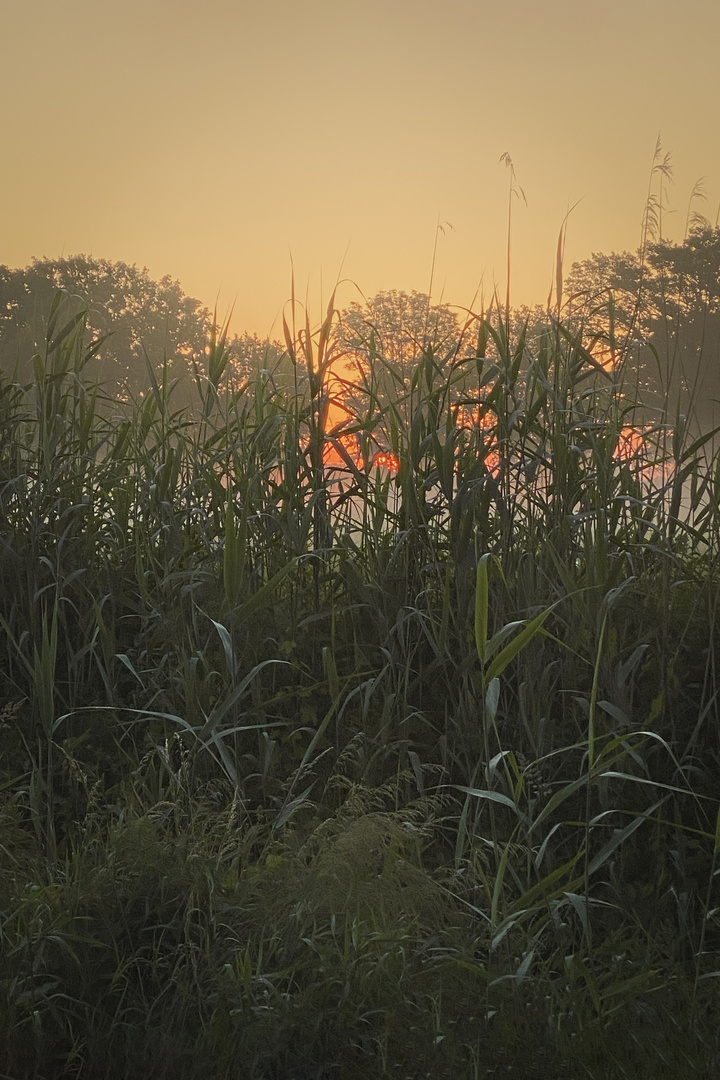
(142, 318)
(685, 319)
(663, 309)
(386, 338)
(250, 354)
(397, 326)
(592, 284)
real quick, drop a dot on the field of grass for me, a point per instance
(312, 770)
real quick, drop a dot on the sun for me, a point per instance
(385, 459)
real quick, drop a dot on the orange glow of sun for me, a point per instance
(631, 443)
(386, 460)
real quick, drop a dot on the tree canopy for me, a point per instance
(138, 317)
(658, 309)
(385, 339)
(397, 326)
(662, 308)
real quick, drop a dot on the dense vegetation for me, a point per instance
(132, 320)
(663, 301)
(311, 768)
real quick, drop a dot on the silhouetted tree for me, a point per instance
(140, 316)
(397, 326)
(250, 354)
(663, 310)
(386, 338)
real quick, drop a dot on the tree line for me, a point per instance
(653, 315)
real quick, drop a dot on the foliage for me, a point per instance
(135, 316)
(663, 301)
(310, 769)
(249, 353)
(386, 337)
(397, 325)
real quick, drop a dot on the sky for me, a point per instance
(228, 142)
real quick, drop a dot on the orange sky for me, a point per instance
(209, 140)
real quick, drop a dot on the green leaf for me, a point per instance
(227, 644)
(67, 329)
(549, 886)
(481, 606)
(234, 547)
(492, 697)
(493, 796)
(619, 837)
(223, 707)
(264, 595)
(516, 646)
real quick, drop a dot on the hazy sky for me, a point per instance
(209, 139)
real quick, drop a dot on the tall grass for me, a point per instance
(312, 769)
